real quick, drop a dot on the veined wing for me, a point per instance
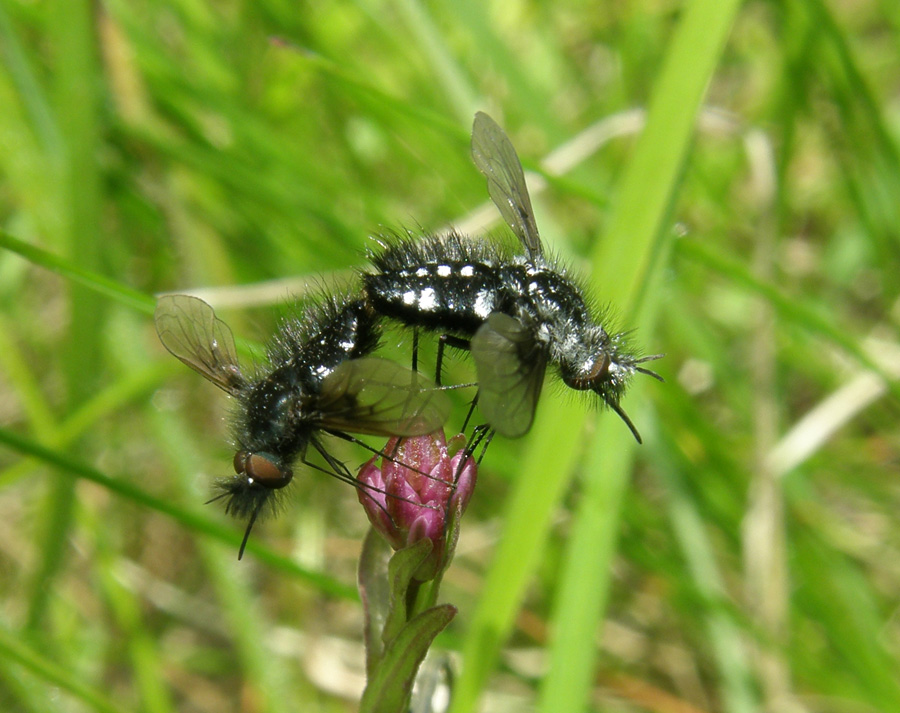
(510, 365)
(190, 330)
(379, 397)
(495, 156)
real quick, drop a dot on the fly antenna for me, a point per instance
(649, 372)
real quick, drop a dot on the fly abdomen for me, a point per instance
(454, 296)
(544, 296)
(324, 335)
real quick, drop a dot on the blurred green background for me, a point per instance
(726, 177)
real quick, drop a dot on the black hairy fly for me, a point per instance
(515, 313)
(318, 379)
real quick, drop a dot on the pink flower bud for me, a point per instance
(419, 491)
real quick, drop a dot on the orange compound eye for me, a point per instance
(261, 469)
(595, 375)
(600, 370)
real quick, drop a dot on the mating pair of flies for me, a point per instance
(515, 313)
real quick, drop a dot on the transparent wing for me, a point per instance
(510, 365)
(495, 157)
(190, 330)
(382, 398)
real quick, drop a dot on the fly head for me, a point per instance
(604, 365)
(252, 492)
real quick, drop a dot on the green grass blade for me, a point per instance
(87, 278)
(645, 202)
(14, 649)
(623, 264)
(184, 517)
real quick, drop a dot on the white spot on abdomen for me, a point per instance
(428, 299)
(483, 304)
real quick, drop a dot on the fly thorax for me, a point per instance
(554, 299)
(272, 417)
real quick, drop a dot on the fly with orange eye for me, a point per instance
(319, 379)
